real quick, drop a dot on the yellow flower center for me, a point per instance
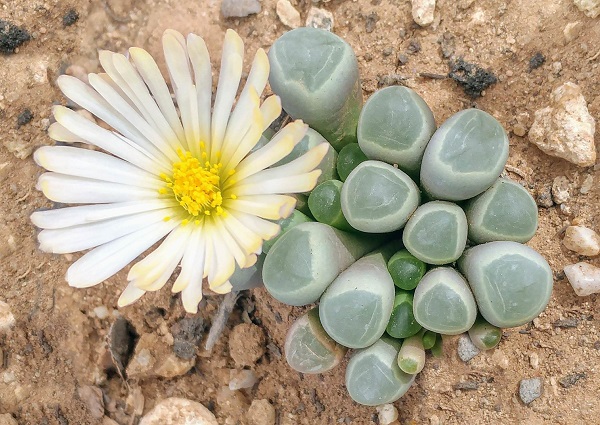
(196, 185)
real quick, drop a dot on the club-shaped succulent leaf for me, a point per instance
(402, 322)
(378, 198)
(355, 309)
(484, 335)
(315, 73)
(286, 224)
(504, 212)
(512, 283)
(373, 376)
(324, 204)
(443, 302)
(411, 357)
(395, 125)
(348, 159)
(464, 157)
(308, 348)
(436, 233)
(406, 269)
(308, 257)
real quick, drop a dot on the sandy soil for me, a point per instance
(59, 343)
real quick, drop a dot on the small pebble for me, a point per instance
(587, 185)
(242, 379)
(24, 117)
(176, 411)
(93, 400)
(387, 414)
(582, 240)
(246, 344)
(536, 61)
(534, 360)
(572, 31)
(101, 312)
(571, 379)
(7, 319)
(466, 349)
(70, 18)
(371, 21)
(591, 8)
(560, 190)
(519, 130)
(423, 11)
(544, 197)
(387, 51)
(7, 419)
(319, 18)
(584, 278)
(530, 389)
(261, 412)
(402, 59)
(287, 14)
(239, 8)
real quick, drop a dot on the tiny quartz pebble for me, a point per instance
(584, 278)
(178, 411)
(582, 240)
(387, 414)
(7, 319)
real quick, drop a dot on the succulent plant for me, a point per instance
(378, 198)
(437, 191)
(436, 233)
(308, 348)
(373, 376)
(504, 212)
(307, 258)
(464, 156)
(395, 125)
(315, 73)
(512, 283)
(355, 309)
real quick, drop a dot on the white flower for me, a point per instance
(170, 169)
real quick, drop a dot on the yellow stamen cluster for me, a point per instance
(196, 185)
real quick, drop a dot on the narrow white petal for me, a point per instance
(302, 165)
(240, 121)
(223, 288)
(162, 150)
(104, 139)
(86, 236)
(229, 81)
(224, 237)
(74, 216)
(270, 110)
(249, 141)
(150, 72)
(78, 190)
(200, 60)
(168, 254)
(245, 238)
(191, 296)
(90, 99)
(192, 264)
(104, 261)
(278, 148)
(265, 229)
(130, 294)
(60, 133)
(222, 263)
(94, 165)
(270, 207)
(293, 184)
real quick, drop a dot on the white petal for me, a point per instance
(83, 214)
(104, 139)
(60, 133)
(85, 236)
(192, 264)
(270, 207)
(229, 81)
(200, 60)
(245, 145)
(224, 237)
(222, 261)
(265, 229)
(293, 184)
(104, 261)
(149, 71)
(240, 121)
(270, 110)
(224, 288)
(94, 165)
(191, 296)
(245, 238)
(130, 295)
(278, 148)
(78, 190)
(301, 165)
(90, 99)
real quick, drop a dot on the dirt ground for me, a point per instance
(59, 343)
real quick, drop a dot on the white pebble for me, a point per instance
(7, 319)
(422, 11)
(582, 240)
(584, 278)
(320, 18)
(560, 190)
(175, 411)
(241, 379)
(387, 414)
(287, 14)
(101, 312)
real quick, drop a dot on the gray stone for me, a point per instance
(466, 349)
(239, 8)
(560, 190)
(530, 389)
(319, 18)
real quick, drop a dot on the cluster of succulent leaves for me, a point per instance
(409, 235)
